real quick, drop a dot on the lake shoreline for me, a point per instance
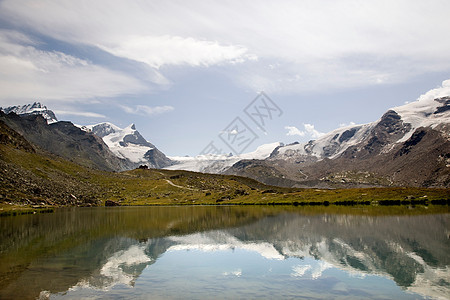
(441, 204)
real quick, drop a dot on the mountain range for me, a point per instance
(408, 146)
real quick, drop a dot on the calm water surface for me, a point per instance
(225, 253)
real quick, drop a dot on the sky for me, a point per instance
(222, 76)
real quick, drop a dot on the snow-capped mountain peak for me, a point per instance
(128, 143)
(32, 109)
(102, 129)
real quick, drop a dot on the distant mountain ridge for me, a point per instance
(32, 109)
(218, 163)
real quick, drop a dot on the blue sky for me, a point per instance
(182, 71)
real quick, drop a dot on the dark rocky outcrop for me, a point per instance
(445, 105)
(346, 135)
(388, 130)
(157, 159)
(111, 203)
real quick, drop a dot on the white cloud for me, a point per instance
(439, 92)
(237, 273)
(309, 131)
(312, 131)
(145, 110)
(347, 124)
(292, 130)
(79, 113)
(157, 51)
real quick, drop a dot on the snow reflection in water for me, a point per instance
(281, 256)
(205, 257)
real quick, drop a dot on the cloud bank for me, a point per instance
(157, 51)
(283, 47)
(79, 113)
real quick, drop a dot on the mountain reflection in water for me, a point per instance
(131, 252)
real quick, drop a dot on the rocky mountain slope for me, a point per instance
(409, 145)
(66, 140)
(31, 176)
(108, 146)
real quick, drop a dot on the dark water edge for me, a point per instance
(411, 203)
(26, 211)
(53, 253)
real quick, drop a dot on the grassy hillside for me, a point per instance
(31, 178)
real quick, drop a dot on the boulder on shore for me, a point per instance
(111, 203)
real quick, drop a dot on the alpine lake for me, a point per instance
(227, 252)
